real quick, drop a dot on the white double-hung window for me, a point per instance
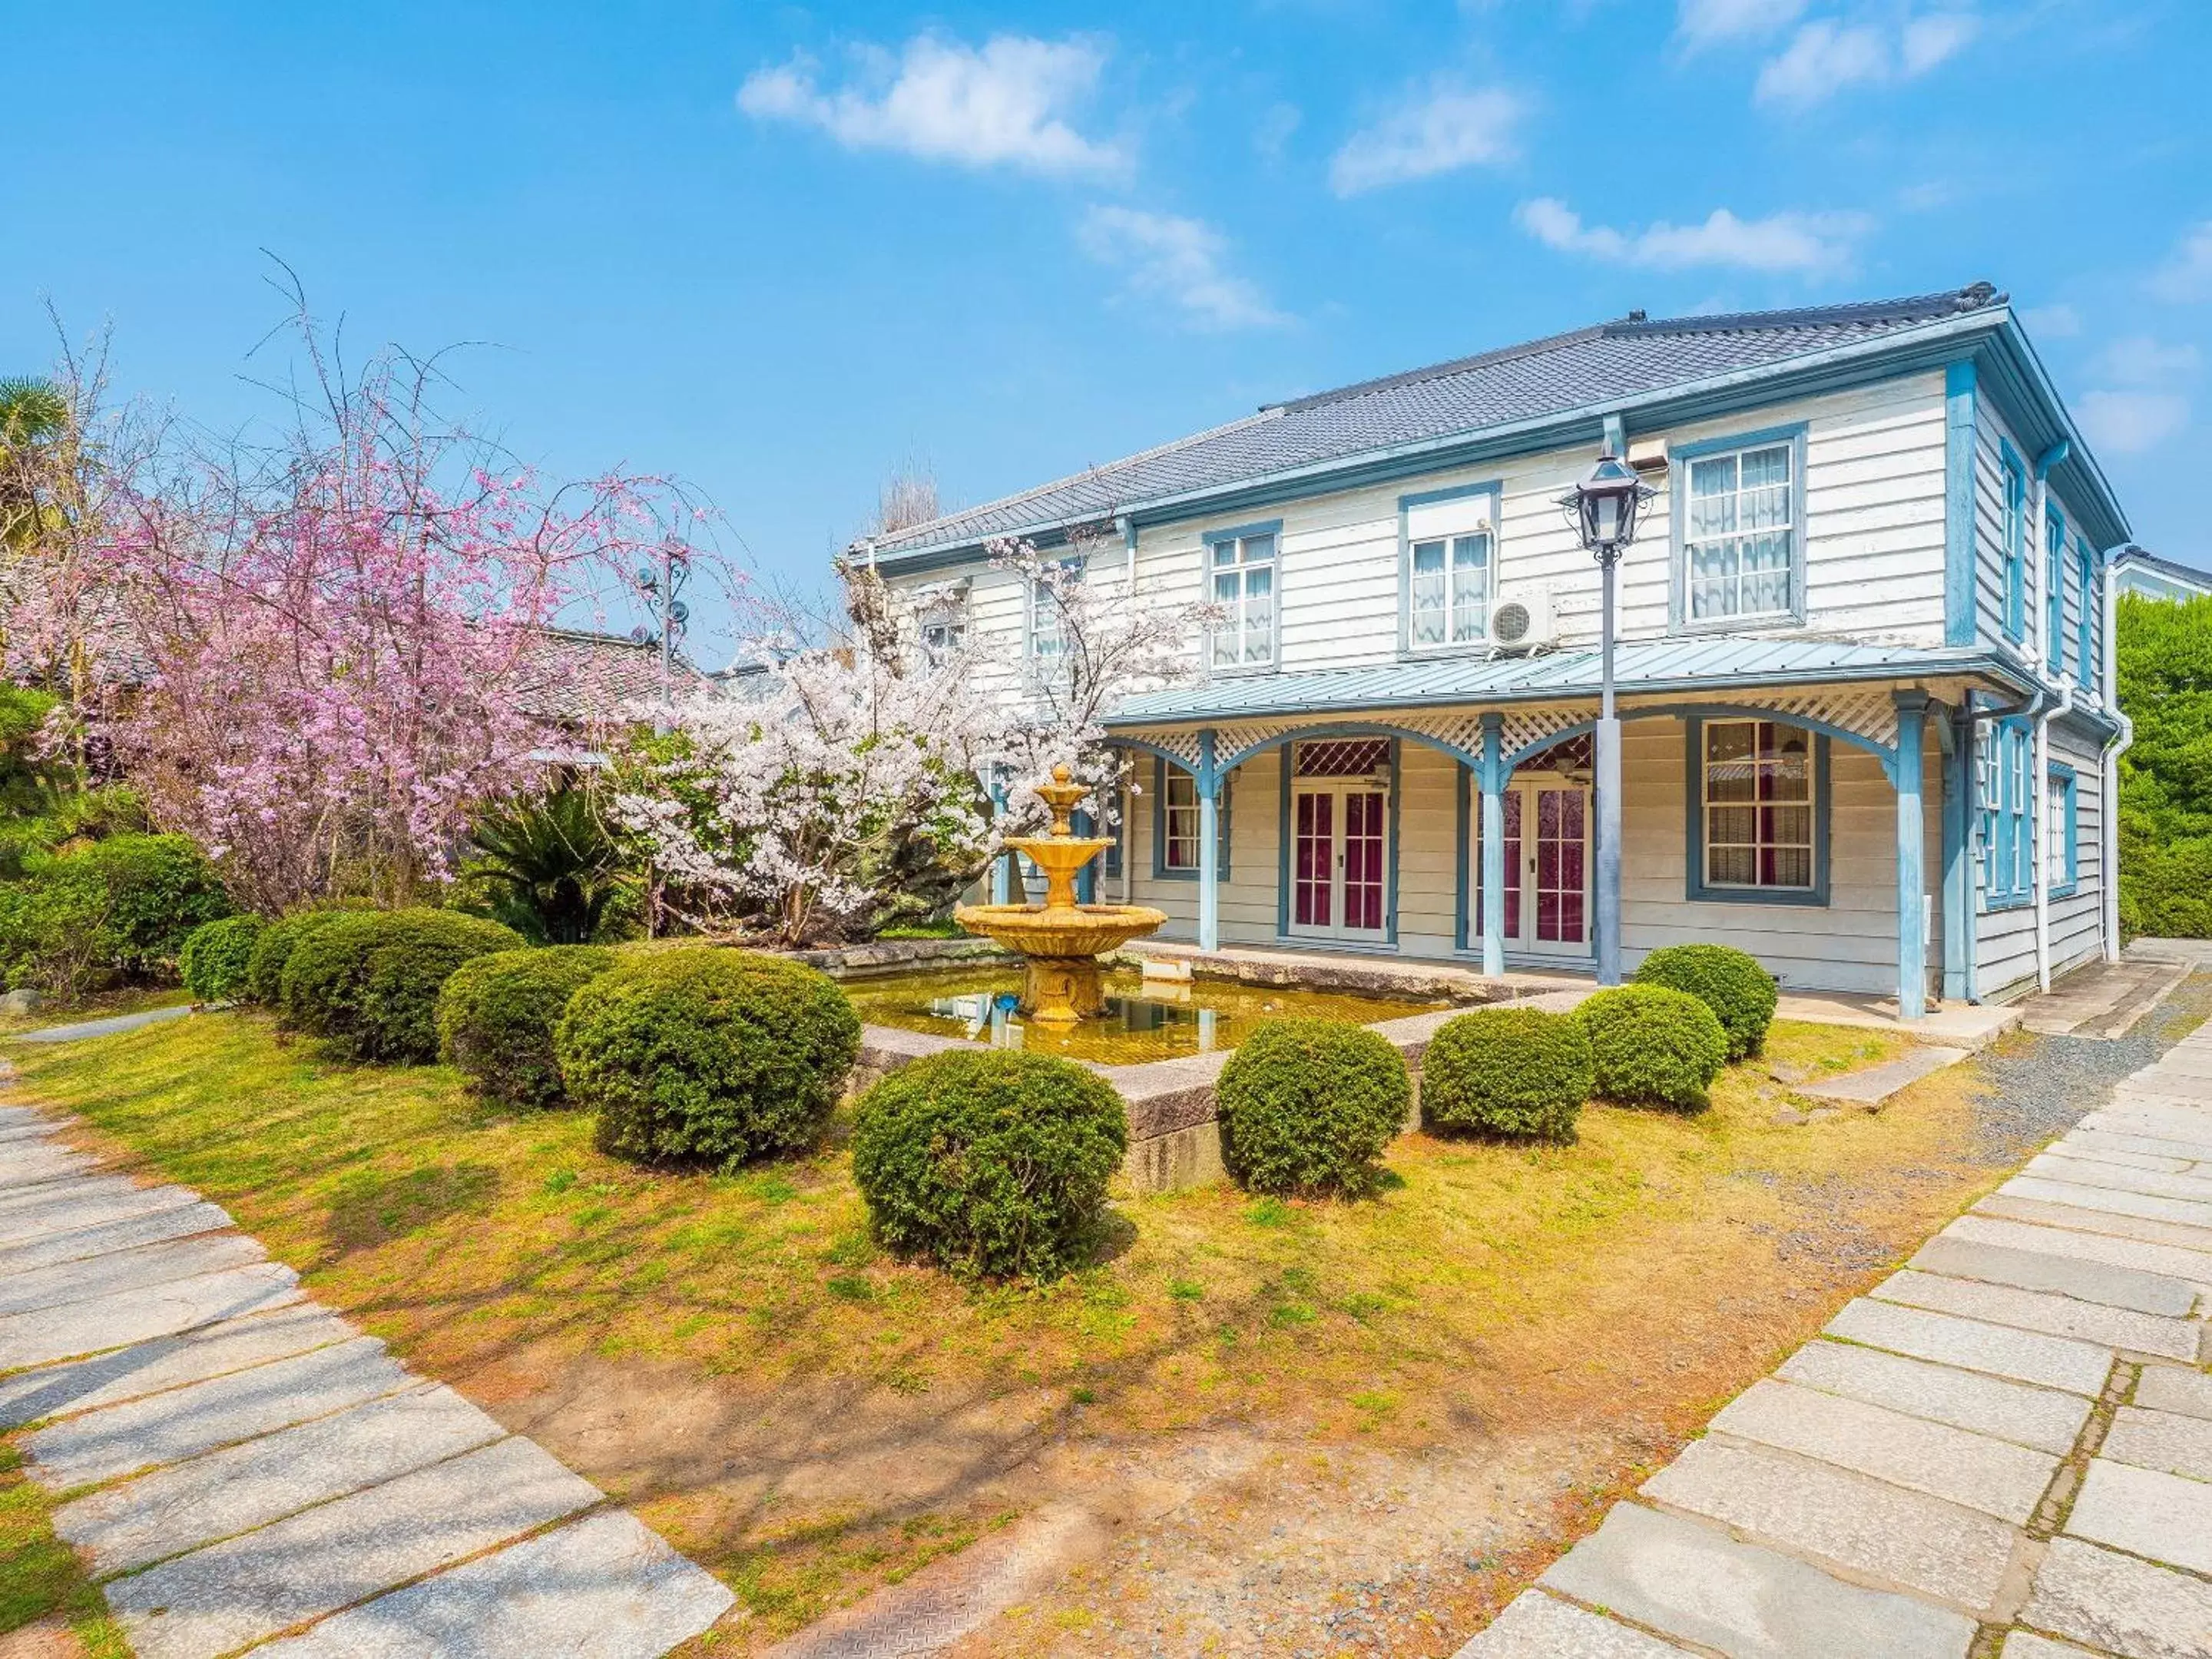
(1240, 583)
(1451, 575)
(1740, 538)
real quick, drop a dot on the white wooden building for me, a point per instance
(1863, 662)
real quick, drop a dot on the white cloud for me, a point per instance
(1180, 261)
(2053, 322)
(1001, 104)
(2139, 359)
(1825, 56)
(1700, 23)
(2128, 422)
(1804, 242)
(1272, 129)
(1441, 130)
(2187, 273)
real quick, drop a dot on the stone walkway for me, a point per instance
(2005, 1451)
(245, 1468)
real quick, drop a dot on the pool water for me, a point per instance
(1144, 1020)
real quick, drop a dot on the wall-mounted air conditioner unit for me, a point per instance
(1520, 621)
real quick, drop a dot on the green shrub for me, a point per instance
(1654, 1045)
(701, 1056)
(1730, 982)
(991, 1162)
(265, 969)
(106, 911)
(497, 1015)
(1518, 1071)
(367, 981)
(1308, 1105)
(213, 961)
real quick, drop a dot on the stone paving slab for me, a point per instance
(1864, 1525)
(251, 1484)
(2092, 1197)
(2161, 1440)
(2168, 1388)
(248, 1589)
(163, 1428)
(2148, 1228)
(11, 1131)
(1697, 1584)
(2135, 1141)
(2056, 1362)
(29, 1162)
(2094, 1149)
(2094, 1172)
(167, 1362)
(2166, 1517)
(1877, 1084)
(2175, 1084)
(113, 1025)
(24, 1290)
(2037, 1311)
(2164, 1260)
(37, 1194)
(1994, 1476)
(2042, 1418)
(1954, 1257)
(95, 1203)
(128, 1316)
(2136, 1112)
(2120, 1605)
(1538, 1627)
(151, 1228)
(602, 1588)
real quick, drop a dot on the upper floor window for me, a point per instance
(1046, 640)
(1758, 807)
(1739, 532)
(1451, 590)
(1241, 570)
(2016, 548)
(2054, 588)
(2085, 625)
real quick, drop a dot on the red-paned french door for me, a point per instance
(1341, 839)
(1547, 868)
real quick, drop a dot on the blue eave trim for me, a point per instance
(1960, 448)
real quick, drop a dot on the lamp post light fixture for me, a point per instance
(1603, 508)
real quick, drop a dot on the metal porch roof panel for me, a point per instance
(1715, 663)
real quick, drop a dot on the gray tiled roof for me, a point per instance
(1590, 366)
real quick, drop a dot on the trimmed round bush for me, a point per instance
(367, 982)
(705, 1055)
(497, 1015)
(213, 961)
(1654, 1045)
(273, 948)
(1729, 981)
(1308, 1105)
(1516, 1072)
(993, 1163)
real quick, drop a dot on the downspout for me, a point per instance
(2108, 818)
(2040, 867)
(2038, 634)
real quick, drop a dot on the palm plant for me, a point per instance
(552, 869)
(35, 416)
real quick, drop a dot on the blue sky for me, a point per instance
(782, 250)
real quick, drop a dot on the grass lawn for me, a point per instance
(810, 1419)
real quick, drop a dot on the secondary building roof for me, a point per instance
(1611, 364)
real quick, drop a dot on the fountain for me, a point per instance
(1060, 940)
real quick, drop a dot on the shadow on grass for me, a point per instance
(371, 1208)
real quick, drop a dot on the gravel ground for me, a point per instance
(2036, 1087)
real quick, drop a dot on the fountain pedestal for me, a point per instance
(1061, 940)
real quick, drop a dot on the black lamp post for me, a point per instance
(1603, 508)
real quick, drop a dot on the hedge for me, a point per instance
(368, 982)
(705, 1055)
(497, 1015)
(1308, 1105)
(1730, 982)
(214, 960)
(114, 909)
(991, 1162)
(1522, 1073)
(265, 969)
(1653, 1045)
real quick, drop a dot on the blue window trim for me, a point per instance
(2054, 581)
(1677, 493)
(1160, 870)
(1030, 603)
(2012, 528)
(2085, 626)
(1286, 767)
(1110, 860)
(1210, 539)
(2072, 843)
(1494, 487)
(2006, 818)
(1694, 845)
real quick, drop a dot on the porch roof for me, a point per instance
(1640, 667)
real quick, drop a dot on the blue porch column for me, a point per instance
(1491, 778)
(1002, 867)
(1209, 845)
(1958, 777)
(1911, 882)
